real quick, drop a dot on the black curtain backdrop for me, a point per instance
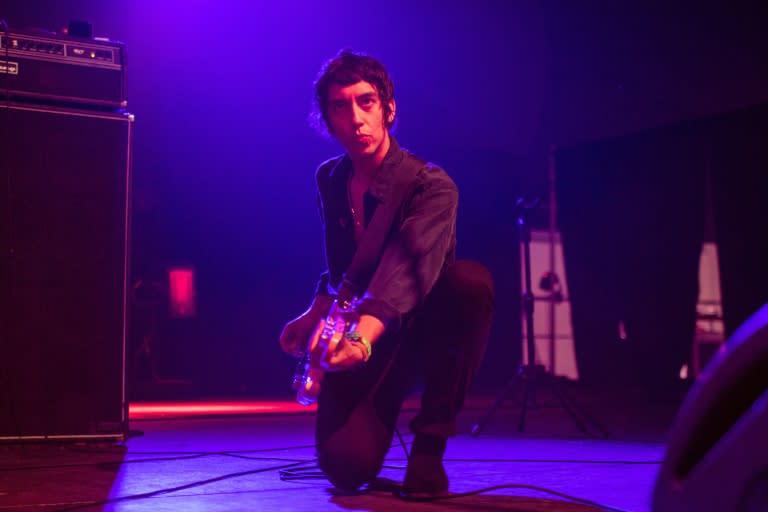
(739, 171)
(632, 211)
(631, 214)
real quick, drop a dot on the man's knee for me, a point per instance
(348, 466)
(353, 455)
(471, 283)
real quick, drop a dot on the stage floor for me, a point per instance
(227, 455)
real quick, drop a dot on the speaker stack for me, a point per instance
(65, 181)
(717, 455)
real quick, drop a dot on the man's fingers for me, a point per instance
(344, 358)
(296, 349)
(330, 360)
(286, 344)
(312, 342)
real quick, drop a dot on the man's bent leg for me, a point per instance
(453, 333)
(454, 330)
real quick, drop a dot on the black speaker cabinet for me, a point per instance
(717, 456)
(64, 225)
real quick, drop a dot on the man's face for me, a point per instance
(356, 119)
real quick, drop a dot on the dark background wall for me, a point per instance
(224, 156)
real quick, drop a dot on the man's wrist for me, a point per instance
(356, 337)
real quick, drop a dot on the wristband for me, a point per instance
(359, 338)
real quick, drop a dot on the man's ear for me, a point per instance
(392, 110)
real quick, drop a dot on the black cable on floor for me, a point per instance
(168, 490)
(294, 471)
(314, 472)
(402, 443)
(545, 490)
(561, 461)
(98, 464)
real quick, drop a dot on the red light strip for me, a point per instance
(148, 410)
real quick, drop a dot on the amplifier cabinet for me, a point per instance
(65, 186)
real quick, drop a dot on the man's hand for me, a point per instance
(294, 339)
(295, 336)
(346, 356)
(349, 354)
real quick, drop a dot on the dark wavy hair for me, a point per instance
(348, 68)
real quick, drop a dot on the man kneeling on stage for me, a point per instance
(394, 309)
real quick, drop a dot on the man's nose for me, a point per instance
(357, 115)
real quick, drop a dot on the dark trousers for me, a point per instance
(441, 345)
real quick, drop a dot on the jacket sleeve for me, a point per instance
(416, 252)
(322, 286)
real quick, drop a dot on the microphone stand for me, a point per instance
(532, 375)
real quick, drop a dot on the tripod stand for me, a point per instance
(532, 375)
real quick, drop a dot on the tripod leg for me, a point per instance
(580, 418)
(529, 395)
(480, 425)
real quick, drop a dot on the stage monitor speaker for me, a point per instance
(64, 225)
(717, 456)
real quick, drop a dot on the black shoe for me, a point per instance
(425, 478)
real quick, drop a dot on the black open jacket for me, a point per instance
(421, 242)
